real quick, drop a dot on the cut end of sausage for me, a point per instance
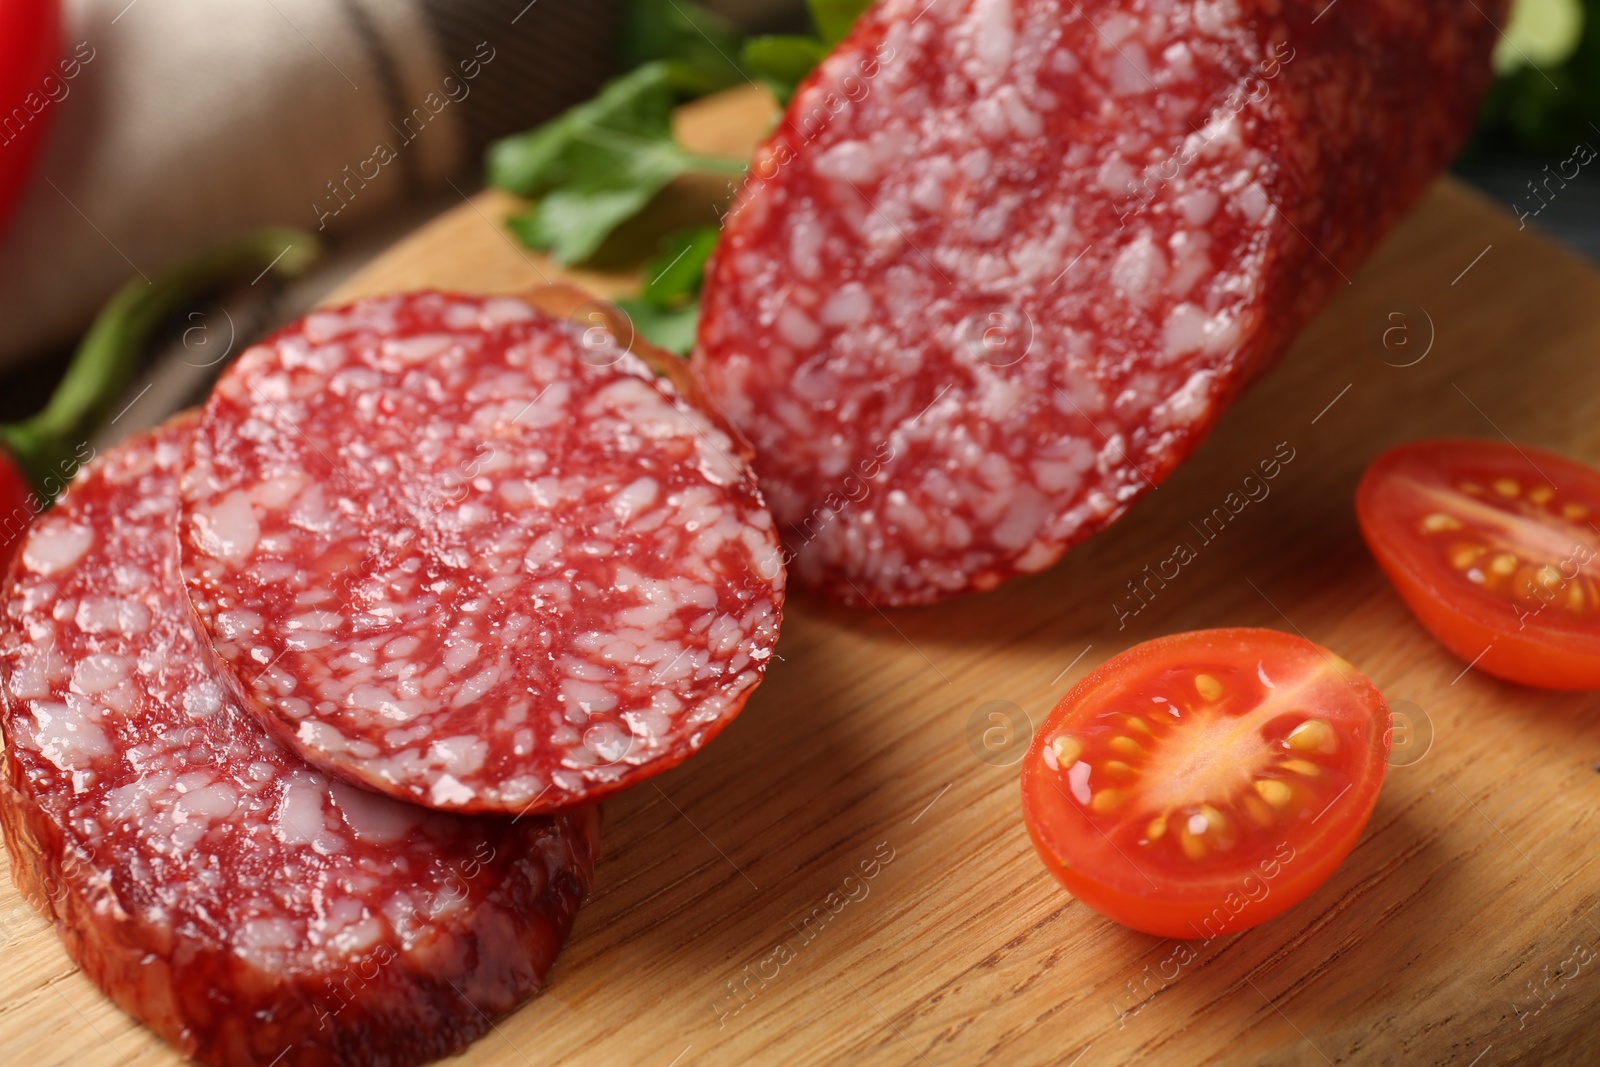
(476, 556)
(1005, 262)
(243, 905)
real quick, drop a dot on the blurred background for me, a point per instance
(1537, 133)
(144, 130)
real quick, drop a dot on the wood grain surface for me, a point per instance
(843, 876)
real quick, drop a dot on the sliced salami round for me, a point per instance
(1005, 262)
(240, 903)
(476, 556)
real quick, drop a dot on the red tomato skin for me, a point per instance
(1210, 917)
(30, 44)
(1510, 656)
(1512, 653)
(1201, 924)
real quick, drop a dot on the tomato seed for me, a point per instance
(1259, 813)
(1439, 522)
(1126, 746)
(1106, 801)
(1313, 735)
(1274, 792)
(1067, 750)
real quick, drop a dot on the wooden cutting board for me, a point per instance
(843, 876)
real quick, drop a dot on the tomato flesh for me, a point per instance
(1199, 784)
(1494, 548)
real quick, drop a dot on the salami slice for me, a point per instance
(475, 556)
(238, 902)
(1005, 262)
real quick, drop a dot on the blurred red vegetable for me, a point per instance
(30, 44)
(14, 500)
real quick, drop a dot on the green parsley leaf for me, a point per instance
(781, 61)
(639, 103)
(674, 277)
(673, 330)
(572, 222)
(667, 312)
(603, 162)
(697, 44)
(598, 165)
(835, 17)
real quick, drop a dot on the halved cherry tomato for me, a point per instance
(1199, 784)
(1495, 548)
